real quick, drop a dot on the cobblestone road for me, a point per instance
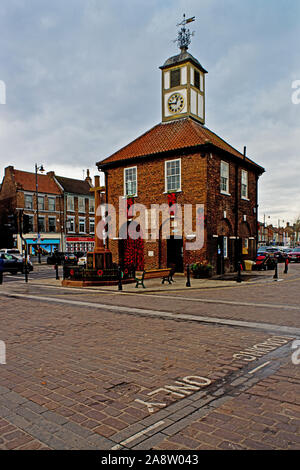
(95, 370)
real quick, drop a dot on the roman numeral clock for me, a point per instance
(183, 82)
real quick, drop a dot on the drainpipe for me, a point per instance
(236, 213)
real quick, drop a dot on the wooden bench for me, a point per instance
(165, 273)
(169, 276)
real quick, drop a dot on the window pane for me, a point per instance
(81, 204)
(92, 205)
(30, 223)
(51, 204)
(28, 202)
(197, 79)
(41, 224)
(52, 224)
(224, 183)
(92, 226)
(70, 203)
(173, 175)
(41, 203)
(175, 78)
(130, 181)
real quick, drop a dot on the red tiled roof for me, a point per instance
(26, 181)
(174, 135)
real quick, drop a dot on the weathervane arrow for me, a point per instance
(184, 35)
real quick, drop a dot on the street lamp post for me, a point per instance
(41, 169)
(266, 241)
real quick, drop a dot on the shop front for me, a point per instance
(80, 244)
(47, 245)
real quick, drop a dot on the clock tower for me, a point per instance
(183, 82)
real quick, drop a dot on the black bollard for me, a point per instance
(188, 276)
(56, 271)
(120, 287)
(26, 272)
(276, 270)
(286, 266)
(239, 275)
(1, 277)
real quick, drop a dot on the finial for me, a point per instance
(184, 35)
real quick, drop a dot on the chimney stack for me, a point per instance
(88, 178)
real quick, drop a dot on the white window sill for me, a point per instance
(245, 198)
(129, 196)
(173, 191)
(225, 193)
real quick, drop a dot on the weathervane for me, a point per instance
(184, 35)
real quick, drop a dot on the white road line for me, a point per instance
(136, 436)
(259, 367)
(157, 313)
(187, 299)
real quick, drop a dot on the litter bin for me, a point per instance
(248, 264)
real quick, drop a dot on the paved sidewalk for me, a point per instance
(155, 285)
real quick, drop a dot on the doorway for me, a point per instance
(175, 253)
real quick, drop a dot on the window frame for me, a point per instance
(197, 74)
(41, 198)
(72, 219)
(91, 199)
(92, 222)
(80, 219)
(31, 228)
(31, 199)
(39, 228)
(70, 198)
(223, 191)
(136, 182)
(52, 217)
(246, 198)
(172, 73)
(81, 199)
(166, 176)
(51, 198)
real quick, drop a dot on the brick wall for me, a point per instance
(200, 184)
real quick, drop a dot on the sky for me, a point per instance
(82, 80)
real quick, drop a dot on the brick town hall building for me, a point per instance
(182, 161)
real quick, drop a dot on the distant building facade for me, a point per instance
(79, 212)
(65, 210)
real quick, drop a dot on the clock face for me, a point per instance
(175, 103)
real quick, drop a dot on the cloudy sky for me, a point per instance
(82, 80)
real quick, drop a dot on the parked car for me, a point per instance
(70, 258)
(275, 251)
(264, 261)
(13, 265)
(294, 255)
(61, 257)
(82, 260)
(15, 252)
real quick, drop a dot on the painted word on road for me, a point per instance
(181, 389)
(258, 350)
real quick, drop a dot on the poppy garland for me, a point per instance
(134, 254)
